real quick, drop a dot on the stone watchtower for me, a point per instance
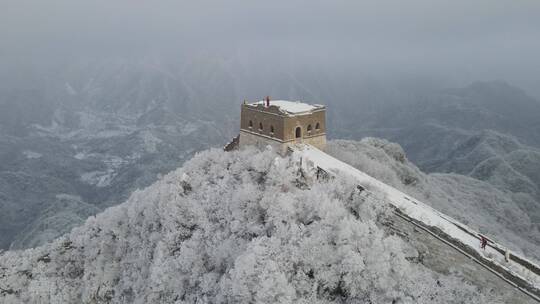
(282, 123)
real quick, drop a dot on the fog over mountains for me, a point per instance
(114, 187)
(82, 137)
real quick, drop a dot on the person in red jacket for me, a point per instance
(483, 242)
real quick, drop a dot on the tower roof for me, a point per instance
(290, 107)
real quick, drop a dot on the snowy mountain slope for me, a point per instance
(512, 267)
(66, 212)
(238, 227)
(101, 162)
(500, 160)
(477, 204)
(509, 167)
(487, 130)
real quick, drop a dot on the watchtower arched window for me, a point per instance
(260, 126)
(309, 128)
(317, 126)
(251, 124)
(271, 129)
(298, 132)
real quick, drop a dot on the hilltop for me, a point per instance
(234, 227)
(246, 226)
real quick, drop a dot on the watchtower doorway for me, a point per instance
(298, 134)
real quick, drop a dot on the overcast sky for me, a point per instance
(463, 39)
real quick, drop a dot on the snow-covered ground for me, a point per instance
(417, 210)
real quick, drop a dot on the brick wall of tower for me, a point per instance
(268, 119)
(284, 127)
(303, 121)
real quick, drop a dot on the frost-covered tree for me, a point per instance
(240, 227)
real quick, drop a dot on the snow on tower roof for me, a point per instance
(292, 107)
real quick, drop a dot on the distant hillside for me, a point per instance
(488, 130)
(451, 115)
